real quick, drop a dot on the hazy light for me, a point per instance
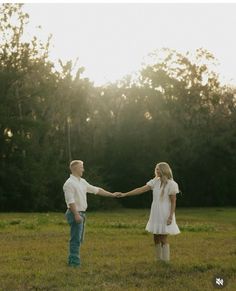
(112, 40)
(8, 132)
(148, 115)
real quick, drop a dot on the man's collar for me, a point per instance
(75, 178)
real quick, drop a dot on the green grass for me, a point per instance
(118, 253)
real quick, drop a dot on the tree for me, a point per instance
(28, 80)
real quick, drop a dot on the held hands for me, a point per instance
(116, 194)
(119, 194)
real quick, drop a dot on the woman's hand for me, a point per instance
(119, 194)
(169, 220)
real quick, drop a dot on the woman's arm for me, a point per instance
(172, 208)
(137, 191)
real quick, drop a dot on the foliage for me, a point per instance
(176, 111)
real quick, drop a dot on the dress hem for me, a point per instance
(163, 233)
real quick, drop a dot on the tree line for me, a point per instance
(175, 110)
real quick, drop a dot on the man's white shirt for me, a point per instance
(75, 191)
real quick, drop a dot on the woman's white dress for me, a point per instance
(160, 209)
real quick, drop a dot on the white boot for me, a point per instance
(166, 252)
(159, 252)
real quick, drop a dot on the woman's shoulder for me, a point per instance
(172, 182)
(153, 182)
(156, 181)
(173, 186)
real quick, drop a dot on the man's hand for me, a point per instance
(78, 218)
(119, 194)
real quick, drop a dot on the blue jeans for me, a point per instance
(76, 237)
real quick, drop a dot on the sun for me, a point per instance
(113, 40)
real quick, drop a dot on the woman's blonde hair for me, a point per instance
(165, 174)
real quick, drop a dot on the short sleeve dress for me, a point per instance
(160, 209)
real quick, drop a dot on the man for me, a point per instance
(75, 190)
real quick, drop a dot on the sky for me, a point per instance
(112, 40)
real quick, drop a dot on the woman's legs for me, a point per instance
(163, 238)
(157, 238)
(165, 248)
(162, 247)
(158, 247)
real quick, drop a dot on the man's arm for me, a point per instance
(105, 193)
(77, 216)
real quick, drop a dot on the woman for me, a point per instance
(162, 216)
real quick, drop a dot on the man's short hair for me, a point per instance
(75, 162)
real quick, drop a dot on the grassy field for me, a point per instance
(118, 254)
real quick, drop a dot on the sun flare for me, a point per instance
(113, 40)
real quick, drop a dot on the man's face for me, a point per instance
(79, 169)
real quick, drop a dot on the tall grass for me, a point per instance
(118, 254)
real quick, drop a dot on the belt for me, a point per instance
(82, 212)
